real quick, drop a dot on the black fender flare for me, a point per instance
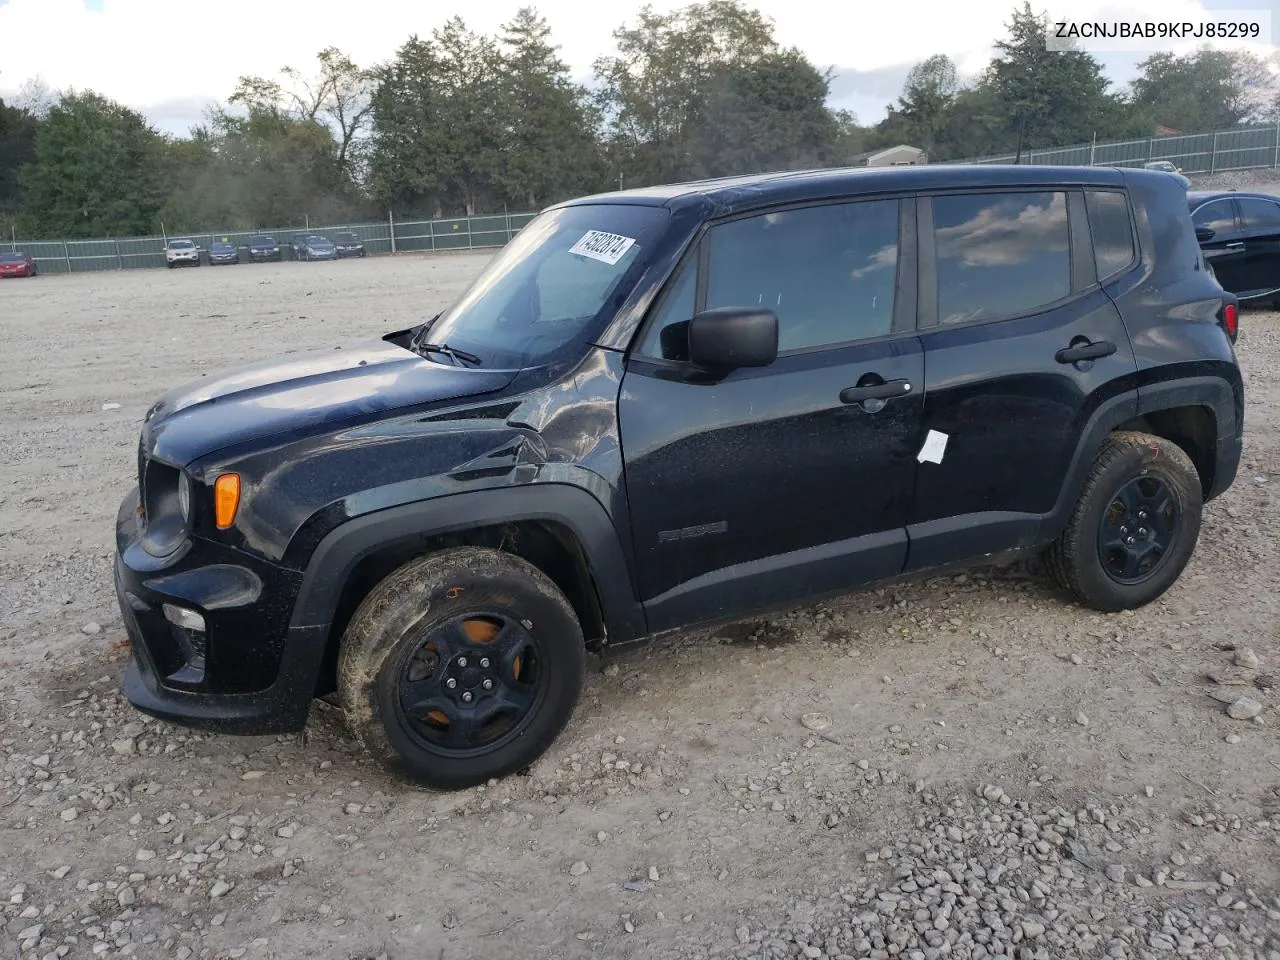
(342, 549)
(1213, 392)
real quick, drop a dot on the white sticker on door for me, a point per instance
(935, 445)
(606, 247)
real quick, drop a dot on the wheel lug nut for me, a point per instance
(462, 661)
(484, 662)
(466, 697)
(451, 683)
(487, 684)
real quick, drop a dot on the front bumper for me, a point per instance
(256, 675)
(350, 252)
(263, 256)
(224, 258)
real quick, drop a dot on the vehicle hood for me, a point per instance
(311, 392)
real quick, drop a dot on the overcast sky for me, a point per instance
(169, 58)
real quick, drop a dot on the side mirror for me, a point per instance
(1204, 234)
(730, 337)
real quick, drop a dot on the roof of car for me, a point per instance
(730, 193)
(1197, 197)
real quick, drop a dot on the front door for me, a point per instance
(1019, 340)
(1260, 222)
(1224, 248)
(768, 486)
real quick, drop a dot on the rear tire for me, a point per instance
(1134, 527)
(461, 666)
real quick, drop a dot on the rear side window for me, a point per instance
(1000, 254)
(828, 272)
(1217, 215)
(1259, 214)
(1112, 230)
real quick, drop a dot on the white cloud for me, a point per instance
(151, 52)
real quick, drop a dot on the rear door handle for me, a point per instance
(1085, 351)
(1236, 245)
(876, 391)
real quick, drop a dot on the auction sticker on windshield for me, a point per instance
(606, 247)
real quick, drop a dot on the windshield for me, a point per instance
(262, 242)
(13, 258)
(180, 244)
(553, 284)
(222, 247)
(346, 237)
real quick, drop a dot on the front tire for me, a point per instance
(1134, 527)
(461, 666)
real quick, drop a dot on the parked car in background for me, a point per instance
(1164, 166)
(1239, 234)
(314, 247)
(264, 249)
(348, 244)
(223, 250)
(670, 407)
(17, 265)
(180, 253)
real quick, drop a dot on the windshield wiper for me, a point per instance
(457, 356)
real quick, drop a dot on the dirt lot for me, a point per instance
(1004, 773)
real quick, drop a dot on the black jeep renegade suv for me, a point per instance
(666, 407)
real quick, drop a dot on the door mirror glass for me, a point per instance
(726, 338)
(1204, 234)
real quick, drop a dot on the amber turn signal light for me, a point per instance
(226, 499)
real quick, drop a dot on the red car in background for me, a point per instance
(17, 265)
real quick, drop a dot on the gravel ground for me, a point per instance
(964, 766)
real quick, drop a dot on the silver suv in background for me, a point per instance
(178, 253)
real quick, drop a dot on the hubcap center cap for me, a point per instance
(470, 677)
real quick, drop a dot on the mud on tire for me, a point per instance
(1134, 527)
(461, 666)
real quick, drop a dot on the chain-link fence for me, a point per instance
(389, 236)
(1224, 150)
(1217, 152)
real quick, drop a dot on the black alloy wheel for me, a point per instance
(1137, 530)
(471, 685)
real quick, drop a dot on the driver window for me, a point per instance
(668, 336)
(1217, 215)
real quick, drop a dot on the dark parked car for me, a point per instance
(314, 247)
(223, 250)
(348, 244)
(670, 407)
(1240, 236)
(17, 264)
(264, 249)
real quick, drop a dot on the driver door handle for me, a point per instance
(876, 391)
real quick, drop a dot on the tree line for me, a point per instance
(461, 123)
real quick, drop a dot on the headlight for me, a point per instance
(184, 496)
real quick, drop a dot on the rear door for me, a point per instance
(1021, 344)
(770, 485)
(1224, 250)
(1260, 224)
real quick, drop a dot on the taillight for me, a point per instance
(1230, 317)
